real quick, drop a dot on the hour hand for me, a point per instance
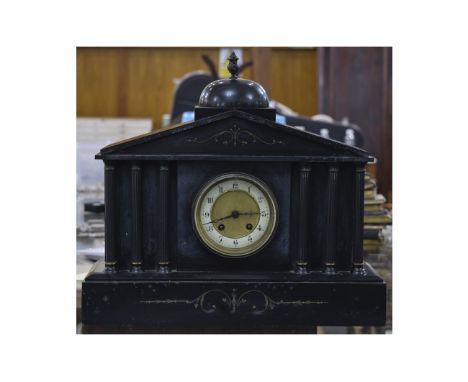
(249, 213)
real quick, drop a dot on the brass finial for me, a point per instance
(232, 66)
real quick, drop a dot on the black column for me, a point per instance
(163, 253)
(304, 196)
(358, 221)
(330, 241)
(109, 217)
(136, 218)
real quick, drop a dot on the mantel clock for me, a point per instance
(233, 222)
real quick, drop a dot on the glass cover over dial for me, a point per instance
(235, 215)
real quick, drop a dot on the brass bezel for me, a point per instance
(231, 252)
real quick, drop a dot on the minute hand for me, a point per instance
(217, 220)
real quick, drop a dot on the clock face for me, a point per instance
(235, 215)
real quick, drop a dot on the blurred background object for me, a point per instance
(356, 84)
(94, 133)
(91, 135)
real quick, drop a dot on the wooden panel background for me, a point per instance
(295, 79)
(139, 82)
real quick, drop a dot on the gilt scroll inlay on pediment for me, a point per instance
(235, 136)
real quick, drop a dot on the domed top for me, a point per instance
(234, 92)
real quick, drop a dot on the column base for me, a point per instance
(330, 269)
(359, 270)
(163, 269)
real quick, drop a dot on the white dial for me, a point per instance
(235, 215)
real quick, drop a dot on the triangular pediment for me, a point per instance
(233, 133)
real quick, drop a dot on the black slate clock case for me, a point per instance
(156, 270)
